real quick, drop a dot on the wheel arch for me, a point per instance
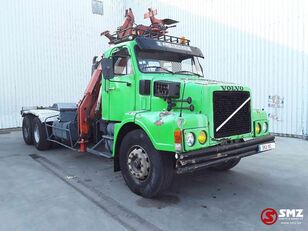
(152, 130)
(30, 115)
(126, 128)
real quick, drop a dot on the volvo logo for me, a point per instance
(232, 88)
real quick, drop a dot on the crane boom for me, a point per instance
(86, 107)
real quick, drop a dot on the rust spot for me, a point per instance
(159, 122)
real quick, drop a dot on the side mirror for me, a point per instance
(107, 68)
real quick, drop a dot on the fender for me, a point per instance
(259, 115)
(159, 126)
(144, 120)
(42, 114)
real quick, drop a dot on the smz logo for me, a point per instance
(269, 216)
(232, 88)
(291, 213)
(287, 216)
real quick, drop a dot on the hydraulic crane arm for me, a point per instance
(86, 107)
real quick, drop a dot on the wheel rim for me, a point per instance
(36, 133)
(138, 163)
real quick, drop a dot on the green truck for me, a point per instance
(150, 108)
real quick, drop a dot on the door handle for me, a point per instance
(111, 88)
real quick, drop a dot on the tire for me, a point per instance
(27, 129)
(156, 168)
(39, 135)
(226, 165)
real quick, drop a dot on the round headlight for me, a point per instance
(258, 128)
(265, 127)
(190, 139)
(202, 137)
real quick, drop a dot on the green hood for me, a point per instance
(200, 90)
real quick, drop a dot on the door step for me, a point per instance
(106, 137)
(99, 153)
(104, 153)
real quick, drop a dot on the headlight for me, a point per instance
(258, 128)
(190, 139)
(202, 137)
(265, 127)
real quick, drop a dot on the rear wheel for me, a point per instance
(226, 165)
(39, 135)
(27, 129)
(146, 171)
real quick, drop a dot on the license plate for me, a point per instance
(266, 147)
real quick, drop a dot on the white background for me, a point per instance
(47, 47)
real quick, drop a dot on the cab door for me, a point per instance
(121, 88)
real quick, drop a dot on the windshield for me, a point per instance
(168, 62)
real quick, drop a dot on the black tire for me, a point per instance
(39, 135)
(226, 165)
(27, 129)
(160, 170)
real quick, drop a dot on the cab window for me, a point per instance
(122, 62)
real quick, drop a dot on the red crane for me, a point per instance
(129, 29)
(86, 107)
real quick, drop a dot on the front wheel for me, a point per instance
(146, 171)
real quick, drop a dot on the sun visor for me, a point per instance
(153, 44)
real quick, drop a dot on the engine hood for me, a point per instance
(200, 90)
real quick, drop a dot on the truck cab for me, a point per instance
(158, 88)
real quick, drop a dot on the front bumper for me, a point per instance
(194, 160)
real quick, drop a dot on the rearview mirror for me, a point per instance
(107, 68)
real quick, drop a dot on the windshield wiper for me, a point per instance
(165, 69)
(188, 72)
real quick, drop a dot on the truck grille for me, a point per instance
(225, 103)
